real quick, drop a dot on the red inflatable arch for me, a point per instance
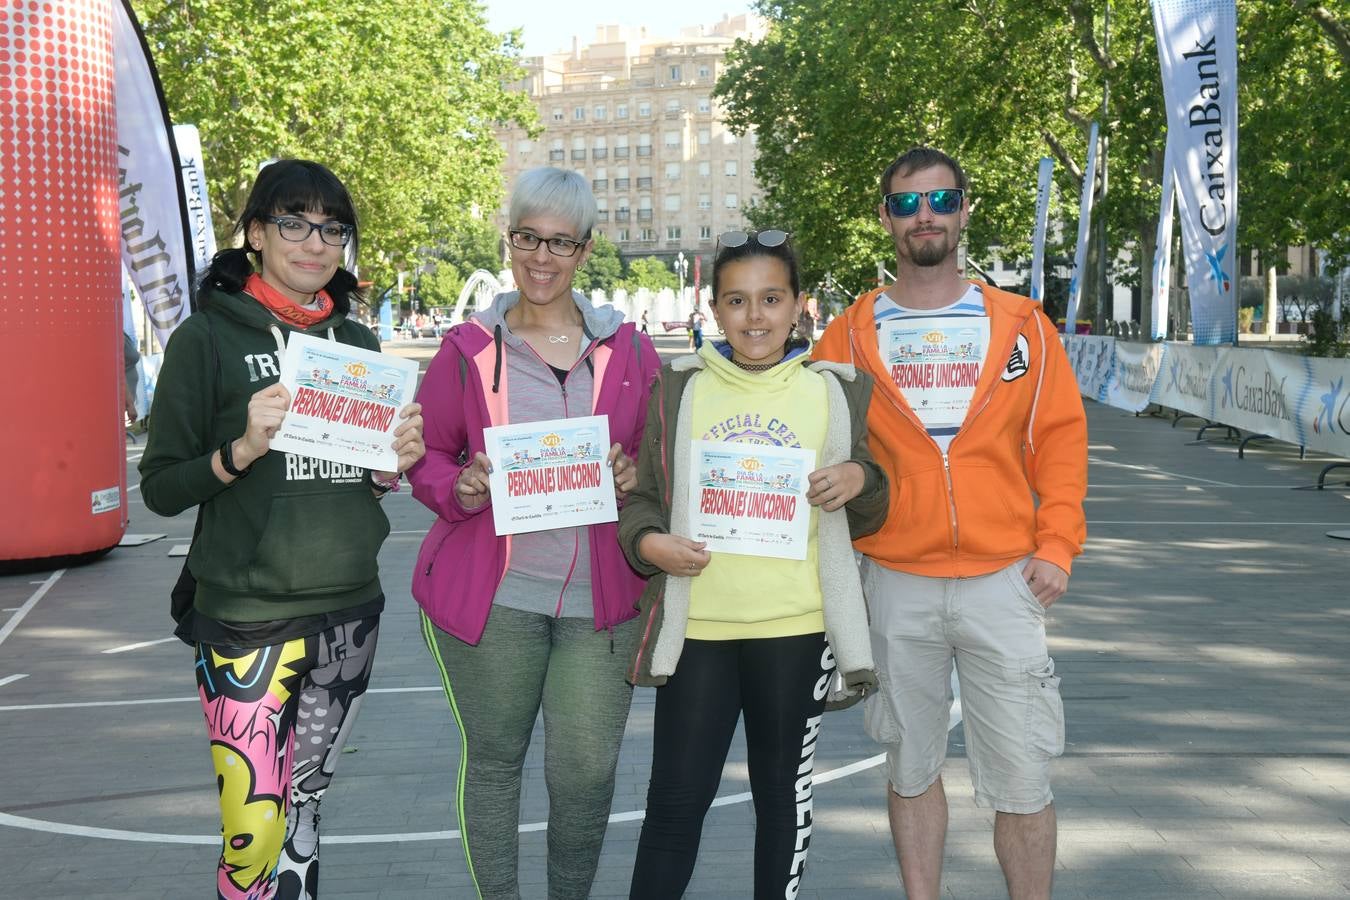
(62, 463)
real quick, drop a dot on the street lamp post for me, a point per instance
(681, 269)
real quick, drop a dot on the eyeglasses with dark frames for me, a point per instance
(943, 202)
(529, 242)
(298, 230)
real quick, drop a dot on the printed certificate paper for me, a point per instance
(750, 498)
(344, 402)
(936, 361)
(550, 474)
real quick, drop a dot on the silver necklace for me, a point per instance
(558, 339)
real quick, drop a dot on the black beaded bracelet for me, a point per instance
(227, 461)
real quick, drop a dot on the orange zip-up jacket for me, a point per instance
(1013, 480)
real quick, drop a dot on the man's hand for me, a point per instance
(624, 469)
(1046, 580)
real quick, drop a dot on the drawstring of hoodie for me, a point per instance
(281, 341)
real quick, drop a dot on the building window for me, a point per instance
(704, 168)
(648, 234)
(730, 168)
(704, 137)
(672, 232)
(579, 113)
(705, 201)
(672, 140)
(705, 232)
(623, 232)
(704, 72)
(644, 109)
(674, 73)
(671, 203)
(599, 114)
(705, 104)
(557, 113)
(732, 201)
(621, 111)
(555, 150)
(672, 171)
(672, 105)
(524, 147)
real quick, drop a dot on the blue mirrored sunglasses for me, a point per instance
(943, 202)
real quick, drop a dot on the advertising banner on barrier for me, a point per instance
(1134, 369)
(1091, 357)
(1084, 220)
(1256, 390)
(1324, 410)
(1197, 51)
(156, 247)
(1184, 377)
(1044, 171)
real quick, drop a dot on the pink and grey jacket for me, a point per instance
(462, 560)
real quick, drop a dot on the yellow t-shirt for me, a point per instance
(738, 596)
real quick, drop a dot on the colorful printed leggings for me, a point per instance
(277, 718)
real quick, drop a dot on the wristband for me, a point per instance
(227, 461)
(386, 487)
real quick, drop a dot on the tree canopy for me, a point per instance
(1000, 83)
(397, 97)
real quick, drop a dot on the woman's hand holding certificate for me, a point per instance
(673, 554)
(624, 469)
(833, 486)
(472, 485)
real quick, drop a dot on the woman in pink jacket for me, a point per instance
(546, 618)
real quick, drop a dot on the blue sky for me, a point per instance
(549, 24)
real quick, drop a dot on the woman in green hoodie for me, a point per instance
(285, 613)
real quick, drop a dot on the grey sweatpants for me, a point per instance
(525, 661)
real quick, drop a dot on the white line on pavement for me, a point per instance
(1156, 470)
(125, 647)
(32, 601)
(10, 679)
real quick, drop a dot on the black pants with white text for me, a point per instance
(779, 684)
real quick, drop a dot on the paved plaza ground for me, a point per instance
(1204, 647)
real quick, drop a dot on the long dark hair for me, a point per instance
(752, 247)
(288, 187)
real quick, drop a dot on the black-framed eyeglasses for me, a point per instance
(298, 230)
(943, 202)
(770, 237)
(529, 242)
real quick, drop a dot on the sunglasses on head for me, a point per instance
(770, 237)
(943, 202)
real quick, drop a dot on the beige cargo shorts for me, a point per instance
(993, 628)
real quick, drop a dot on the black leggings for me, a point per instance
(780, 685)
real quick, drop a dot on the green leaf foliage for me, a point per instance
(397, 97)
(651, 273)
(603, 270)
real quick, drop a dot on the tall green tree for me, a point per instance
(651, 273)
(603, 269)
(398, 97)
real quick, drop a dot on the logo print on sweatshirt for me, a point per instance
(1018, 361)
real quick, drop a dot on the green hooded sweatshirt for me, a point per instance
(298, 536)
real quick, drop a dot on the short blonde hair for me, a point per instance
(554, 192)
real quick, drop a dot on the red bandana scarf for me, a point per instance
(286, 309)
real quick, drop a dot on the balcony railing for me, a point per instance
(644, 215)
(556, 155)
(578, 154)
(599, 153)
(602, 215)
(644, 184)
(645, 150)
(620, 152)
(599, 184)
(620, 184)
(621, 215)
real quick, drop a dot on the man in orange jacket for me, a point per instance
(977, 419)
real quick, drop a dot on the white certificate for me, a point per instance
(550, 474)
(935, 361)
(344, 402)
(750, 499)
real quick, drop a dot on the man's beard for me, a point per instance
(927, 253)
